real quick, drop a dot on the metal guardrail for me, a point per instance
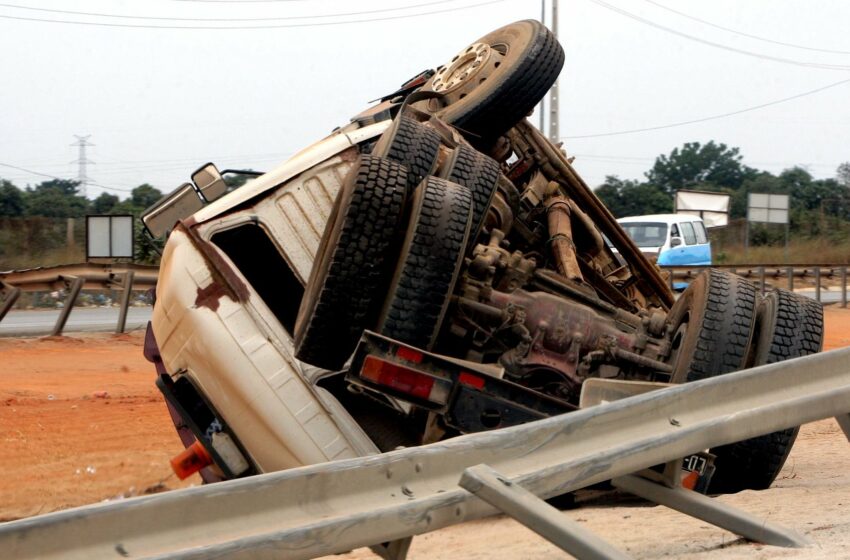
(335, 507)
(767, 274)
(75, 278)
(128, 277)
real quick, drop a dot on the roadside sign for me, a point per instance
(109, 237)
(712, 207)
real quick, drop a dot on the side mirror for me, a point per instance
(209, 182)
(675, 241)
(176, 206)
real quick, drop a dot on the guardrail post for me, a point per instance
(844, 421)
(125, 300)
(761, 279)
(537, 515)
(76, 286)
(817, 283)
(12, 294)
(843, 286)
(712, 511)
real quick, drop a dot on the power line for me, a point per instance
(238, 1)
(651, 23)
(31, 172)
(711, 118)
(284, 18)
(244, 27)
(748, 35)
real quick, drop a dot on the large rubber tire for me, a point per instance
(488, 90)
(353, 264)
(713, 323)
(788, 326)
(479, 174)
(427, 269)
(411, 144)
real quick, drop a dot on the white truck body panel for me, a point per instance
(237, 353)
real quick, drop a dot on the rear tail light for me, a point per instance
(406, 380)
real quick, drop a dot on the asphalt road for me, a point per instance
(103, 319)
(82, 319)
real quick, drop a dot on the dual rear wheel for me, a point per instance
(393, 246)
(721, 324)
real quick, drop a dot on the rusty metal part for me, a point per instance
(612, 354)
(499, 214)
(462, 68)
(552, 282)
(555, 165)
(494, 267)
(223, 275)
(606, 288)
(562, 330)
(592, 242)
(561, 237)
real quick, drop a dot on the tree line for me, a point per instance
(716, 167)
(61, 198)
(694, 166)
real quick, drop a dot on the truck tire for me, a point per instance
(431, 255)
(495, 82)
(411, 144)
(712, 325)
(788, 326)
(353, 263)
(478, 173)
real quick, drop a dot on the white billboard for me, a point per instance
(109, 237)
(712, 207)
(767, 208)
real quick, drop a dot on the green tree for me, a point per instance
(842, 174)
(145, 196)
(11, 199)
(104, 203)
(56, 198)
(712, 167)
(632, 198)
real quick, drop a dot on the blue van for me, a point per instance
(670, 239)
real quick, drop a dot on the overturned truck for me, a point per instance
(432, 268)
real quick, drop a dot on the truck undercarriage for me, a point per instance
(435, 267)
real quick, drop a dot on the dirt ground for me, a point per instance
(67, 443)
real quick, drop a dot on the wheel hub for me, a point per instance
(462, 68)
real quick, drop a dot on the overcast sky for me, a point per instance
(159, 102)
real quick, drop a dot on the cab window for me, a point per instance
(702, 237)
(688, 233)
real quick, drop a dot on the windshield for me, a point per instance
(647, 234)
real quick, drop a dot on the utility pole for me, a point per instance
(82, 143)
(554, 135)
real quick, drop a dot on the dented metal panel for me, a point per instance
(300, 162)
(330, 508)
(275, 411)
